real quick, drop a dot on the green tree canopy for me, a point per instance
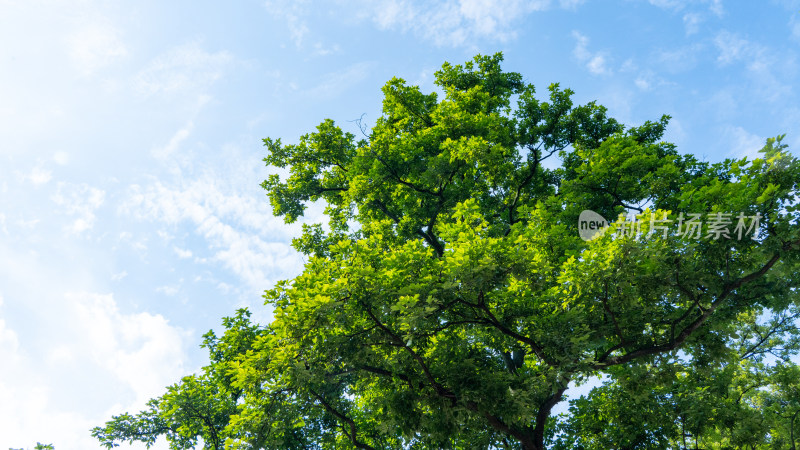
(449, 301)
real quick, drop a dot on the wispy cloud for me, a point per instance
(337, 82)
(733, 48)
(95, 46)
(130, 356)
(761, 64)
(742, 143)
(61, 158)
(643, 79)
(9, 343)
(713, 6)
(678, 60)
(794, 26)
(182, 253)
(174, 142)
(642, 83)
(595, 62)
(80, 201)
(571, 4)
(453, 23)
(322, 50)
(293, 13)
(242, 234)
(119, 275)
(691, 23)
(129, 345)
(184, 68)
(458, 23)
(39, 175)
(169, 291)
(668, 4)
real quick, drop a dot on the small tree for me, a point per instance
(39, 446)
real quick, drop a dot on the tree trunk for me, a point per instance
(543, 415)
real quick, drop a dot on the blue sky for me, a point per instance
(131, 217)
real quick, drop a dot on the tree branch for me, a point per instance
(692, 327)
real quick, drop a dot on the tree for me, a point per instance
(39, 446)
(200, 406)
(449, 301)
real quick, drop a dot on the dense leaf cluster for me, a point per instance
(449, 301)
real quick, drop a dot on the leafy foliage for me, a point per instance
(39, 446)
(449, 302)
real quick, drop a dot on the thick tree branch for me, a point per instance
(692, 327)
(352, 434)
(535, 347)
(441, 390)
(544, 413)
(613, 318)
(431, 240)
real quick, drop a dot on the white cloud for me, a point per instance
(292, 12)
(240, 230)
(184, 68)
(642, 83)
(169, 291)
(182, 254)
(174, 142)
(761, 64)
(629, 66)
(457, 23)
(119, 275)
(60, 354)
(95, 46)
(595, 62)
(678, 60)
(646, 80)
(732, 48)
(26, 225)
(667, 4)
(9, 343)
(297, 29)
(80, 200)
(49, 47)
(571, 4)
(93, 353)
(597, 65)
(39, 175)
(322, 50)
(393, 13)
(141, 349)
(743, 143)
(714, 6)
(691, 23)
(337, 82)
(794, 25)
(61, 158)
